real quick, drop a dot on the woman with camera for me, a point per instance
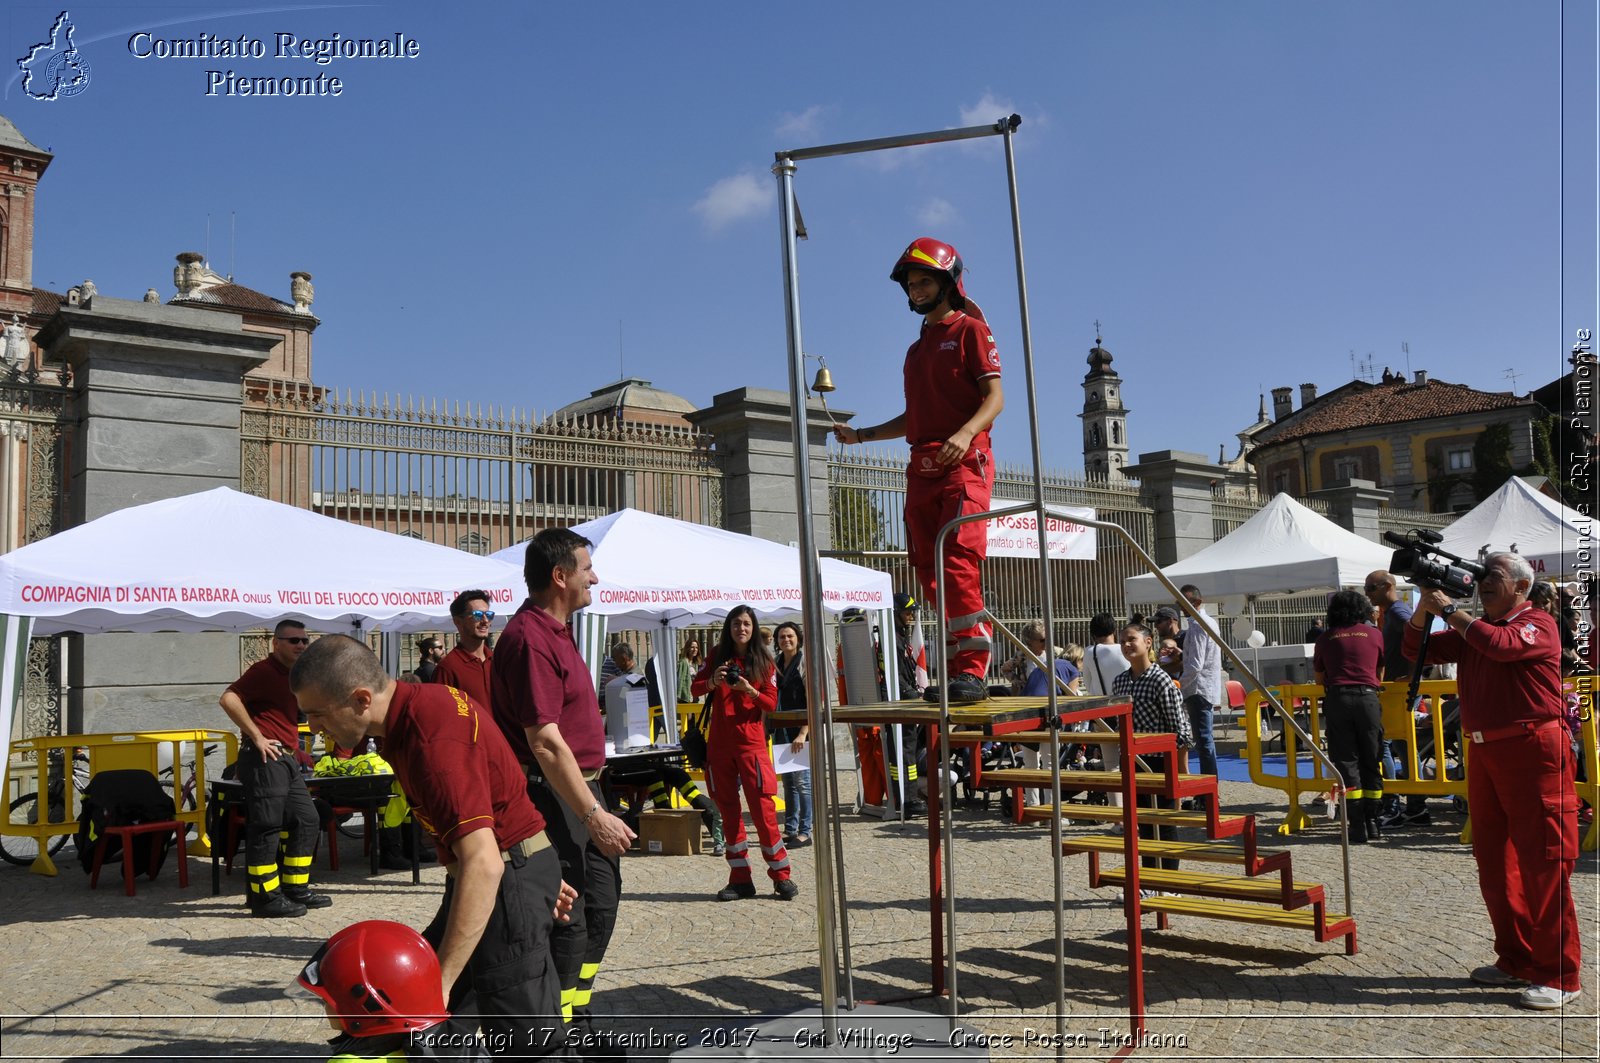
(792, 697)
(1347, 660)
(741, 677)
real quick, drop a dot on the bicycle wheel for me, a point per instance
(22, 850)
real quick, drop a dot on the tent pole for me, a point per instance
(818, 703)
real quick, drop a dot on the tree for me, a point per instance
(856, 519)
(1491, 460)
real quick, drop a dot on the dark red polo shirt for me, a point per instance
(264, 689)
(1350, 656)
(539, 678)
(463, 671)
(1509, 669)
(456, 769)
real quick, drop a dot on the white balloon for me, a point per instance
(1241, 627)
(1256, 640)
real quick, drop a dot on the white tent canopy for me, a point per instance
(1284, 549)
(1549, 535)
(657, 570)
(220, 560)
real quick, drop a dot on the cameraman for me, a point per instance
(1519, 780)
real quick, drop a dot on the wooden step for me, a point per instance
(1225, 827)
(1143, 741)
(1286, 895)
(1145, 782)
(1325, 925)
(1254, 861)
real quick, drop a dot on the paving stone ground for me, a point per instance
(179, 974)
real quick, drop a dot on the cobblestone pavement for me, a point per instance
(180, 974)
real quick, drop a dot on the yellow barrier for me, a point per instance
(109, 752)
(1398, 724)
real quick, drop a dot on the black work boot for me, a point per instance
(302, 895)
(735, 891)
(965, 689)
(275, 905)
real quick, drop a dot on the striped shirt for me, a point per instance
(1157, 703)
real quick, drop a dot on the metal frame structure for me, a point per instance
(830, 878)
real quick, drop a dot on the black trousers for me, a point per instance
(510, 986)
(1353, 721)
(580, 945)
(276, 800)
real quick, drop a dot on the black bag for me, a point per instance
(693, 739)
(122, 798)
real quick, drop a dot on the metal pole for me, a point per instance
(908, 140)
(1045, 595)
(819, 712)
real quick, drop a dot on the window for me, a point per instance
(1094, 436)
(473, 543)
(1116, 432)
(1346, 468)
(1280, 482)
(1460, 460)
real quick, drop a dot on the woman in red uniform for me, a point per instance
(742, 679)
(1347, 660)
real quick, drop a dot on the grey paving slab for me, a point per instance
(178, 974)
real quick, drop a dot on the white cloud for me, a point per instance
(736, 198)
(808, 123)
(986, 111)
(936, 212)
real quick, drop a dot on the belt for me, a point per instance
(525, 848)
(588, 776)
(1357, 689)
(1516, 730)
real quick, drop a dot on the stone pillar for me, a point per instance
(1354, 506)
(755, 443)
(158, 391)
(1177, 485)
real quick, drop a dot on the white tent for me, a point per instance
(1284, 549)
(657, 573)
(1549, 535)
(225, 561)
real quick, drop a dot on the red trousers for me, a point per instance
(930, 504)
(869, 763)
(1525, 838)
(730, 766)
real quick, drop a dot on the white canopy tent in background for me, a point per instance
(659, 574)
(1550, 536)
(220, 560)
(1284, 549)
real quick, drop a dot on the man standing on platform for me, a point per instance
(952, 396)
(467, 667)
(276, 800)
(545, 703)
(1201, 681)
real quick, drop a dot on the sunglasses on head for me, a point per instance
(479, 615)
(295, 640)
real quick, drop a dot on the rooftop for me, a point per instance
(1360, 404)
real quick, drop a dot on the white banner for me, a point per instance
(1018, 536)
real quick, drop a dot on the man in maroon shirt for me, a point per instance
(467, 666)
(953, 395)
(1519, 777)
(546, 706)
(492, 930)
(276, 799)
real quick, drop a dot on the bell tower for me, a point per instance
(21, 165)
(1105, 419)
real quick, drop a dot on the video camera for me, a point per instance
(1419, 560)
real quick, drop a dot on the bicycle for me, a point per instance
(23, 849)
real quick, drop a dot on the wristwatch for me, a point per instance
(1448, 611)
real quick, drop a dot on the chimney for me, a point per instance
(186, 274)
(1421, 376)
(1308, 395)
(1282, 403)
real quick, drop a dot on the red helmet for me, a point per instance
(378, 977)
(930, 254)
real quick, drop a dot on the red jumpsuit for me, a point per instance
(737, 755)
(1519, 787)
(942, 373)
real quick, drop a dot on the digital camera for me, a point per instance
(732, 675)
(1424, 564)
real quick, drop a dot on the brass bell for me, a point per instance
(824, 382)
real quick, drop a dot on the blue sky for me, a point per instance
(1243, 193)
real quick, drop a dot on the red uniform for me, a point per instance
(737, 755)
(942, 374)
(264, 689)
(1519, 787)
(465, 672)
(541, 678)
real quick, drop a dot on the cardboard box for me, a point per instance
(670, 832)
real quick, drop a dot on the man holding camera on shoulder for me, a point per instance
(1519, 776)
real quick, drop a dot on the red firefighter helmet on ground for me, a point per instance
(378, 977)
